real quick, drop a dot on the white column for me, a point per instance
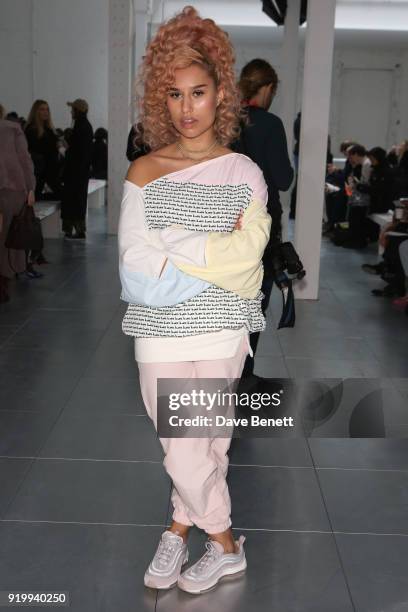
(288, 88)
(289, 64)
(313, 142)
(33, 50)
(119, 94)
(142, 11)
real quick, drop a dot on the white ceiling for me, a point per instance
(381, 24)
(350, 14)
(367, 39)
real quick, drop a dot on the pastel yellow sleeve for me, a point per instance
(234, 259)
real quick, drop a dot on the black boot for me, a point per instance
(388, 291)
(374, 269)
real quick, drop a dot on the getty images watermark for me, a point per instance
(217, 407)
(211, 401)
(328, 408)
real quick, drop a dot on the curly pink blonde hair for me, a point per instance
(183, 40)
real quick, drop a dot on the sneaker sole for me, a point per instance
(162, 587)
(232, 572)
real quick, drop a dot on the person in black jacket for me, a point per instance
(263, 139)
(135, 145)
(380, 186)
(99, 168)
(42, 143)
(401, 171)
(76, 172)
(380, 191)
(296, 138)
(336, 202)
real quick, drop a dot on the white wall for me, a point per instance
(55, 50)
(367, 59)
(15, 55)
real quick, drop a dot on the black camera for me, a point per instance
(283, 263)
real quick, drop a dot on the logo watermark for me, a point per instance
(259, 407)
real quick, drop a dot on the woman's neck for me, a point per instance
(198, 145)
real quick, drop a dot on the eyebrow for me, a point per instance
(194, 87)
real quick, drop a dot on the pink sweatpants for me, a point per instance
(197, 466)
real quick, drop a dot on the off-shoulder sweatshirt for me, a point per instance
(208, 294)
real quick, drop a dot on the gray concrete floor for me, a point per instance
(84, 496)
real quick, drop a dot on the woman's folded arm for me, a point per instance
(195, 260)
(146, 277)
(233, 260)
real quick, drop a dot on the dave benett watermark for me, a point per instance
(289, 408)
(216, 408)
(222, 421)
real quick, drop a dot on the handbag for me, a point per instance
(25, 231)
(359, 198)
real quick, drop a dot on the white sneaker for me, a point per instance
(165, 567)
(214, 564)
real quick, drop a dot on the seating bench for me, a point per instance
(96, 193)
(381, 218)
(48, 211)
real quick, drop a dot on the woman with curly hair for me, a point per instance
(192, 230)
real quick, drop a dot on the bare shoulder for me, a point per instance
(141, 170)
(148, 167)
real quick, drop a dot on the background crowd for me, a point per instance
(40, 162)
(366, 200)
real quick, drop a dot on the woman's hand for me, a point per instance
(30, 198)
(238, 224)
